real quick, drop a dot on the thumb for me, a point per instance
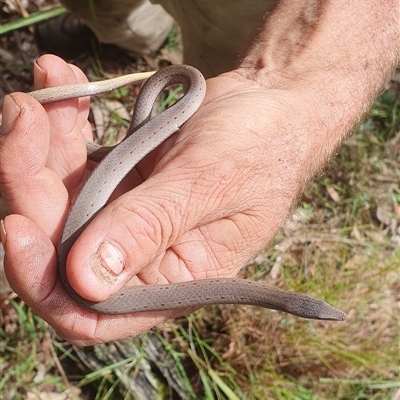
(129, 239)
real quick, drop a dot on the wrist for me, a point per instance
(329, 65)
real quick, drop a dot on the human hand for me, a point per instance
(202, 204)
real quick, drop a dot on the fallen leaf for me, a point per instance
(396, 209)
(333, 194)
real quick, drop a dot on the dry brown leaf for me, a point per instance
(276, 268)
(311, 270)
(383, 214)
(396, 209)
(333, 194)
(356, 233)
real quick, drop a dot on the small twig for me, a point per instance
(22, 9)
(58, 364)
(24, 13)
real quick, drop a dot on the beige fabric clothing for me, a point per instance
(214, 32)
(135, 25)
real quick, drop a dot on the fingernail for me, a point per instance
(111, 258)
(39, 76)
(3, 234)
(10, 114)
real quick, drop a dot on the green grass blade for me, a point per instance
(33, 19)
(222, 385)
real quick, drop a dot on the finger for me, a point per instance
(28, 187)
(68, 120)
(31, 270)
(83, 105)
(47, 74)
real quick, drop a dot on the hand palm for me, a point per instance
(203, 207)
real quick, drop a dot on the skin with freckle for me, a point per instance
(142, 137)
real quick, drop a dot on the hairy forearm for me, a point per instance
(335, 55)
